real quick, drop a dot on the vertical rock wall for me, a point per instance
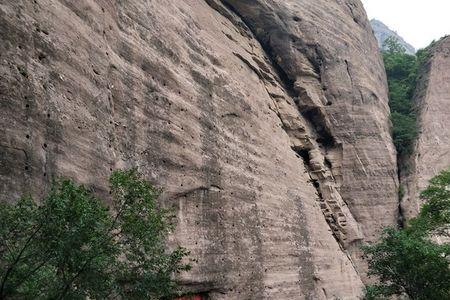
(266, 123)
(431, 153)
(327, 58)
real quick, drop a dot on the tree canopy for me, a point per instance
(401, 71)
(415, 260)
(72, 246)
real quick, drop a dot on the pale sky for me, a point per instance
(419, 22)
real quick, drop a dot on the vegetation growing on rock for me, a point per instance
(72, 246)
(401, 70)
(415, 260)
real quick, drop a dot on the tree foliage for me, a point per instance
(72, 246)
(410, 260)
(401, 70)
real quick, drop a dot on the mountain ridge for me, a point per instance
(382, 32)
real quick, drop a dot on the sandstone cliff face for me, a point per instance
(431, 153)
(266, 122)
(339, 89)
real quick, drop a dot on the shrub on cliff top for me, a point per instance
(72, 246)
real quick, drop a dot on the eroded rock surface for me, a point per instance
(431, 153)
(266, 122)
(322, 51)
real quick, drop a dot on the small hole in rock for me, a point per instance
(328, 163)
(316, 183)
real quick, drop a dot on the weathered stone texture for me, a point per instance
(329, 64)
(266, 123)
(431, 153)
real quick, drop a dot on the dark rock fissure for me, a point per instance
(288, 85)
(284, 81)
(314, 118)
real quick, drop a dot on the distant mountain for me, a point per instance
(382, 32)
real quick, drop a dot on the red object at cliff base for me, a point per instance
(190, 297)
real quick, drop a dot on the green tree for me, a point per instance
(401, 70)
(434, 217)
(392, 45)
(72, 246)
(409, 260)
(404, 132)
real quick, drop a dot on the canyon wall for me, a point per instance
(266, 123)
(431, 153)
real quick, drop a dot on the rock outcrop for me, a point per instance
(431, 153)
(266, 123)
(383, 32)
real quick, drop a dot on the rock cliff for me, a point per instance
(266, 123)
(431, 153)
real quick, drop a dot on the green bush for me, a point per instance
(404, 131)
(72, 246)
(409, 261)
(401, 70)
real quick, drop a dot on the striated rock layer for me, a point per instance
(266, 123)
(431, 153)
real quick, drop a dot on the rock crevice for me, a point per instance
(303, 63)
(314, 134)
